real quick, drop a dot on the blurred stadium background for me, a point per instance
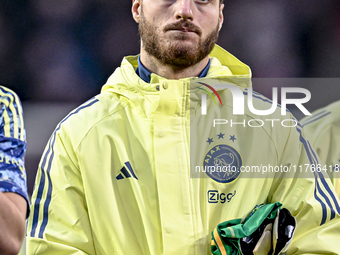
(56, 54)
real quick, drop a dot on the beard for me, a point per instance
(175, 51)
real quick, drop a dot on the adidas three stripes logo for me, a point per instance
(126, 172)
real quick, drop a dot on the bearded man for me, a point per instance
(118, 177)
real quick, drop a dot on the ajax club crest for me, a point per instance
(222, 163)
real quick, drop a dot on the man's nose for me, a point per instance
(184, 9)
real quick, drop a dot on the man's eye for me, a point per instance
(202, 1)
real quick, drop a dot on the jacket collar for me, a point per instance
(222, 65)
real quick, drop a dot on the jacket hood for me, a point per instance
(223, 66)
(228, 61)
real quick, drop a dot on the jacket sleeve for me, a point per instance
(309, 195)
(12, 145)
(324, 134)
(59, 222)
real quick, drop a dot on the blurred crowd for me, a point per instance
(64, 50)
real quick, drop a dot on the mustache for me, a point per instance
(183, 24)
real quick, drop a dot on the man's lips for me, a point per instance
(185, 27)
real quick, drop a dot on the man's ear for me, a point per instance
(136, 9)
(221, 16)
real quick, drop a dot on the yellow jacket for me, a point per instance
(118, 174)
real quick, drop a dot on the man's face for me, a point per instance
(179, 33)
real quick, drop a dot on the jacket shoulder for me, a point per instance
(82, 119)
